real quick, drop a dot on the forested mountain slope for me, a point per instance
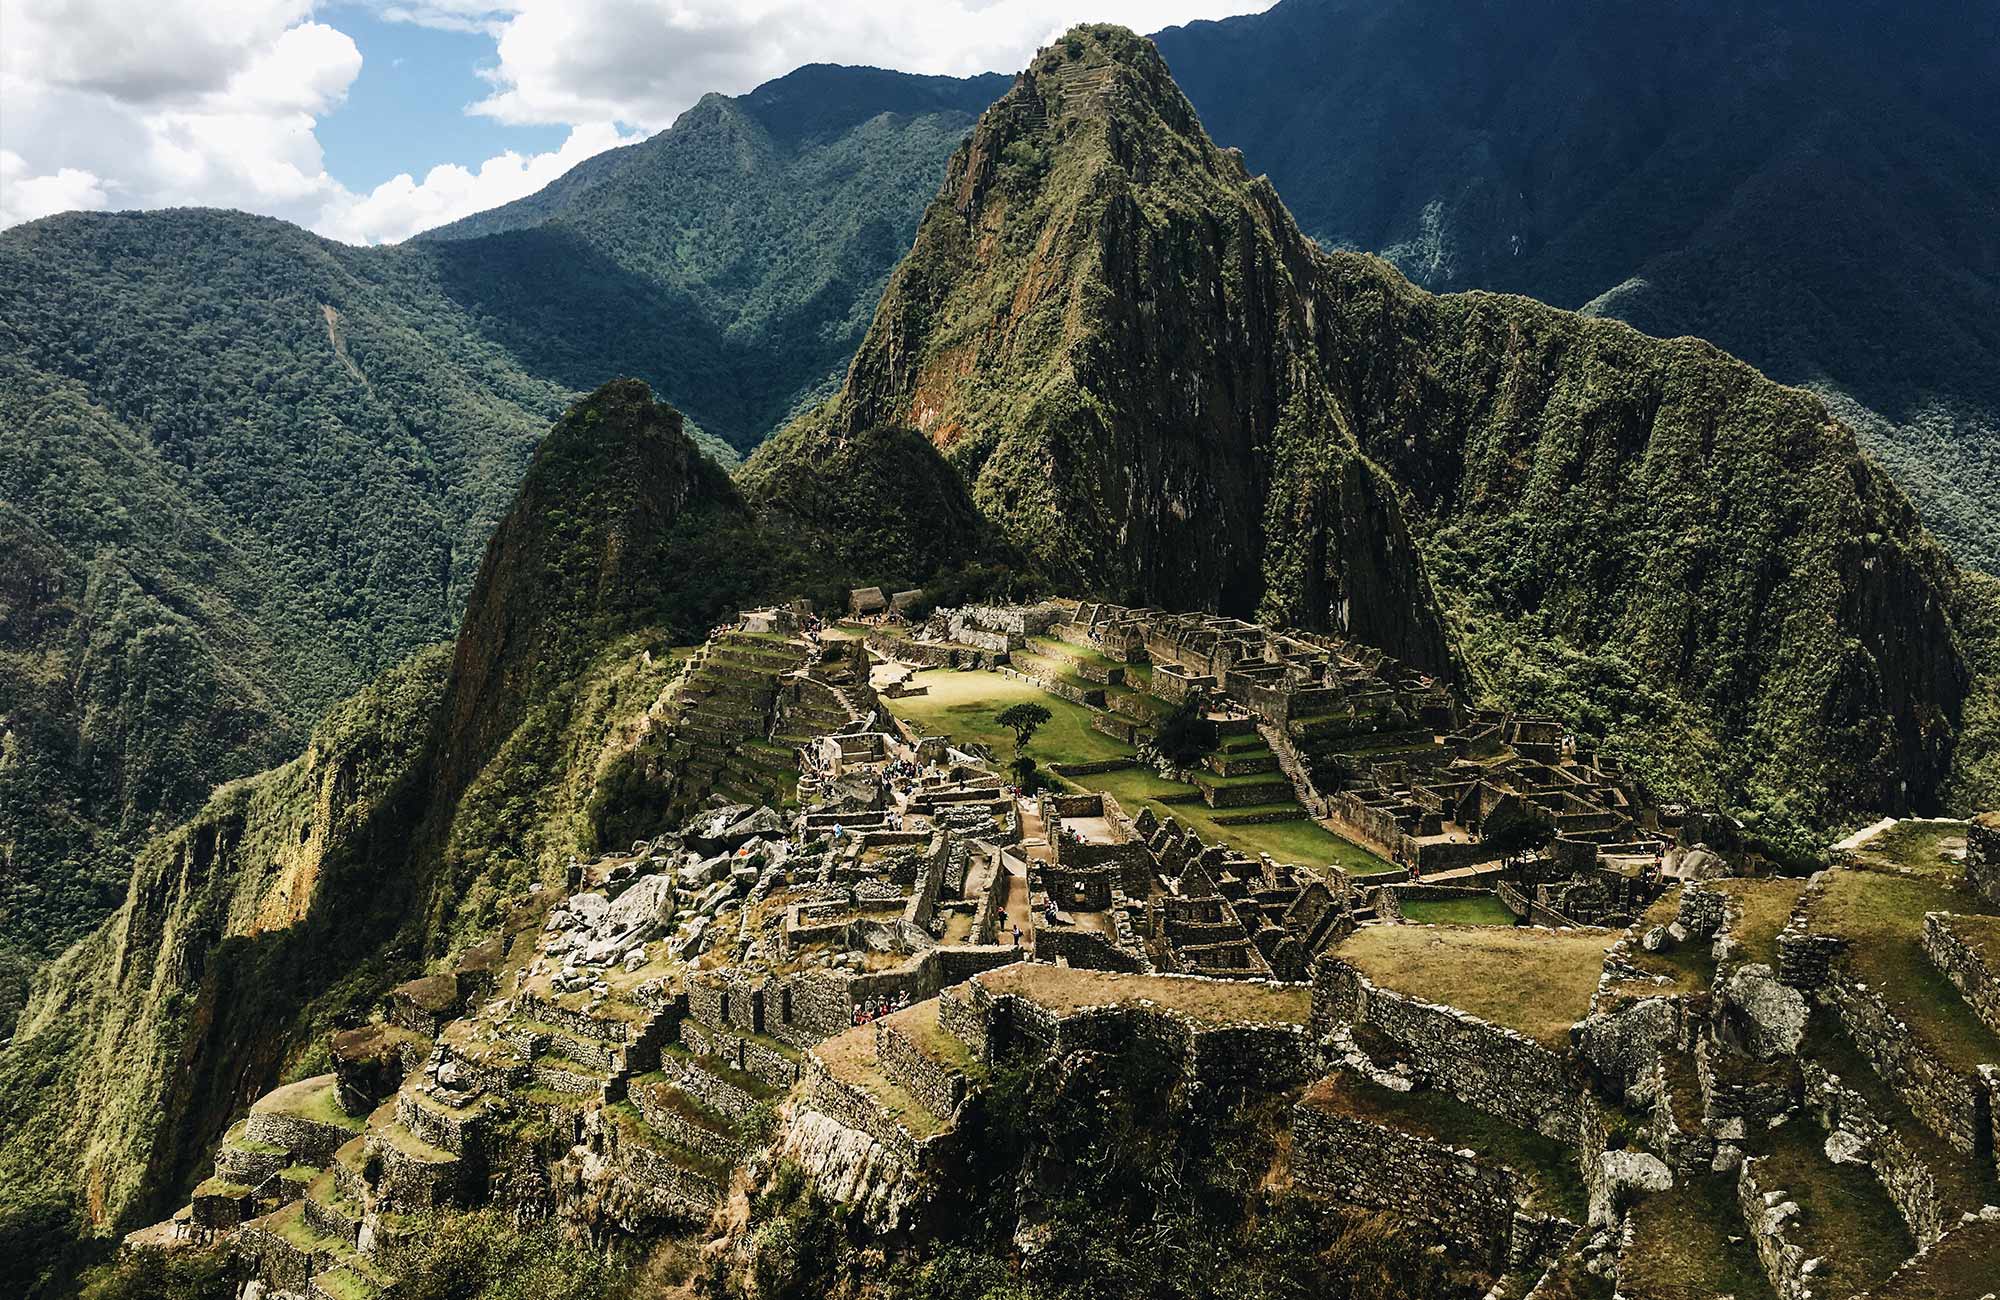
(1158, 389)
(1810, 184)
(419, 810)
(246, 469)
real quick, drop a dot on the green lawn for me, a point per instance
(1303, 842)
(963, 705)
(1845, 1217)
(1485, 909)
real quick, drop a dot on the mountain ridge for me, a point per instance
(1653, 510)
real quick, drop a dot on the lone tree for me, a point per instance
(1023, 720)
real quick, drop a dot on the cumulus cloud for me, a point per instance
(399, 208)
(643, 61)
(160, 103)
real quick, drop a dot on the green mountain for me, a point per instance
(247, 469)
(1111, 361)
(1810, 184)
(421, 809)
(1158, 389)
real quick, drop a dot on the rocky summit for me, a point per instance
(1198, 769)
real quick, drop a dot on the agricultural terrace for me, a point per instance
(1538, 982)
(1062, 990)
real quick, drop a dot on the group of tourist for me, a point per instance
(883, 1009)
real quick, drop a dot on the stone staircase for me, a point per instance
(1293, 765)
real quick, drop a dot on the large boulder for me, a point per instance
(1759, 1015)
(641, 911)
(1623, 1176)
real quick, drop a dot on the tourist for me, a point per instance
(1017, 935)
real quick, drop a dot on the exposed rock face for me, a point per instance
(854, 1169)
(1763, 1017)
(1105, 325)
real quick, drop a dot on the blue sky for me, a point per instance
(406, 112)
(370, 120)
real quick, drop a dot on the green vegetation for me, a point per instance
(486, 1256)
(1882, 917)
(1538, 982)
(1303, 841)
(1063, 990)
(247, 470)
(966, 705)
(154, 1274)
(1845, 1218)
(1712, 219)
(1548, 1166)
(1482, 910)
(1688, 1244)
(1584, 504)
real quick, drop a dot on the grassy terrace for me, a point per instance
(850, 1057)
(963, 705)
(1484, 909)
(1882, 917)
(1761, 909)
(1538, 982)
(1962, 1184)
(1915, 846)
(1689, 1244)
(1063, 990)
(741, 1079)
(315, 1099)
(921, 1023)
(1846, 1218)
(1690, 965)
(633, 1124)
(1548, 1167)
(1304, 842)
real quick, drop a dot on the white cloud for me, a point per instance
(24, 197)
(399, 208)
(160, 103)
(643, 61)
(167, 103)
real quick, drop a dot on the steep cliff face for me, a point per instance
(596, 542)
(452, 781)
(139, 1042)
(1663, 504)
(1158, 389)
(1105, 325)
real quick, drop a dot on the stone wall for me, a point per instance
(852, 1108)
(1460, 1197)
(281, 1265)
(707, 1087)
(649, 1099)
(1702, 910)
(1858, 1133)
(1784, 1261)
(937, 1087)
(1982, 855)
(1499, 1071)
(409, 1185)
(1977, 981)
(311, 1141)
(1951, 1103)
(1084, 949)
